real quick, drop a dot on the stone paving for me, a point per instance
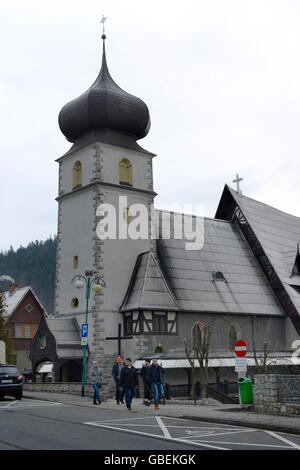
(218, 413)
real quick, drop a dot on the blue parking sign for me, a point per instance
(84, 330)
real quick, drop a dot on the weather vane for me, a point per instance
(104, 18)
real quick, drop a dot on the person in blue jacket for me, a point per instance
(156, 381)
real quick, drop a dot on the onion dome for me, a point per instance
(104, 106)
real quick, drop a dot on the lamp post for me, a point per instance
(89, 280)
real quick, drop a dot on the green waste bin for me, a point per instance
(246, 390)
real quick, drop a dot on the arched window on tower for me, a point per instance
(125, 172)
(197, 334)
(77, 174)
(234, 334)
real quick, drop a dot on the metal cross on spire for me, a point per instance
(104, 18)
(237, 181)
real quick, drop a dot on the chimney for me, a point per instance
(12, 288)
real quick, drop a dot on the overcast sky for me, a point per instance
(221, 79)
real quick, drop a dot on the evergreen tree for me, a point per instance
(4, 335)
(33, 265)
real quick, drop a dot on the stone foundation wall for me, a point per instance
(65, 387)
(266, 397)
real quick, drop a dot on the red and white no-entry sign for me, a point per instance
(240, 348)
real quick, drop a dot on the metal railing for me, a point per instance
(184, 391)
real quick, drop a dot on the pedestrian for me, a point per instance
(156, 380)
(144, 373)
(116, 372)
(129, 382)
(96, 379)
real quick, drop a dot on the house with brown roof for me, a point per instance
(24, 312)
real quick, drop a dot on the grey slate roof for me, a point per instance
(66, 332)
(189, 275)
(149, 288)
(278, 234)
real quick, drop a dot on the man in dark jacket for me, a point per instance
(116, 372)
(144, 373)
(129, 382)
(156, 380)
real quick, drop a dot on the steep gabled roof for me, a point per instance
(13, 301)
(186, 280)
(148, 288)
(278, 235)
(66, 332)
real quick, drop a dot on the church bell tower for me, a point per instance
(104, 166)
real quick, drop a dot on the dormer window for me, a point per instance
(218, 276)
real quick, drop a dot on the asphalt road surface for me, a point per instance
(37, 425)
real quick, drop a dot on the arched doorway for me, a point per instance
(41, 368)
(45, 372)
(70, 371)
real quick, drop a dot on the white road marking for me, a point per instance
(24, 406)
(211, 433)
(283, 439)
(197, 440)
(203, 423)
(248, 444)
(10, 404)
(198, 444)
(163, 427)
(124, 419)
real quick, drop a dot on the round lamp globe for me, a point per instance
(79, 283)
(97, 288)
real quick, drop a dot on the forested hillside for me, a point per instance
(34, 266)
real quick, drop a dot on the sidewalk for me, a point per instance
(224, 414)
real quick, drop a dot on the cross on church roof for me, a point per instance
(237, 181)
(104, 18)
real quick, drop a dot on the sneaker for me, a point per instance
(156, 407)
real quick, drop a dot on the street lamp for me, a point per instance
(88, 280)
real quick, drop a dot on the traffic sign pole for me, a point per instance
(240, 349)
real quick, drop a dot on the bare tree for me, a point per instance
(202, 354)
(262, 360)
(190, 355)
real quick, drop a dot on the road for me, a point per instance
(37, 425)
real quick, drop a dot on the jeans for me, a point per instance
(158, 391)
(129, 394)
(147, 390)
(96, 388)
(119, 393)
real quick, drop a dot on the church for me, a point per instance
(243, 280)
